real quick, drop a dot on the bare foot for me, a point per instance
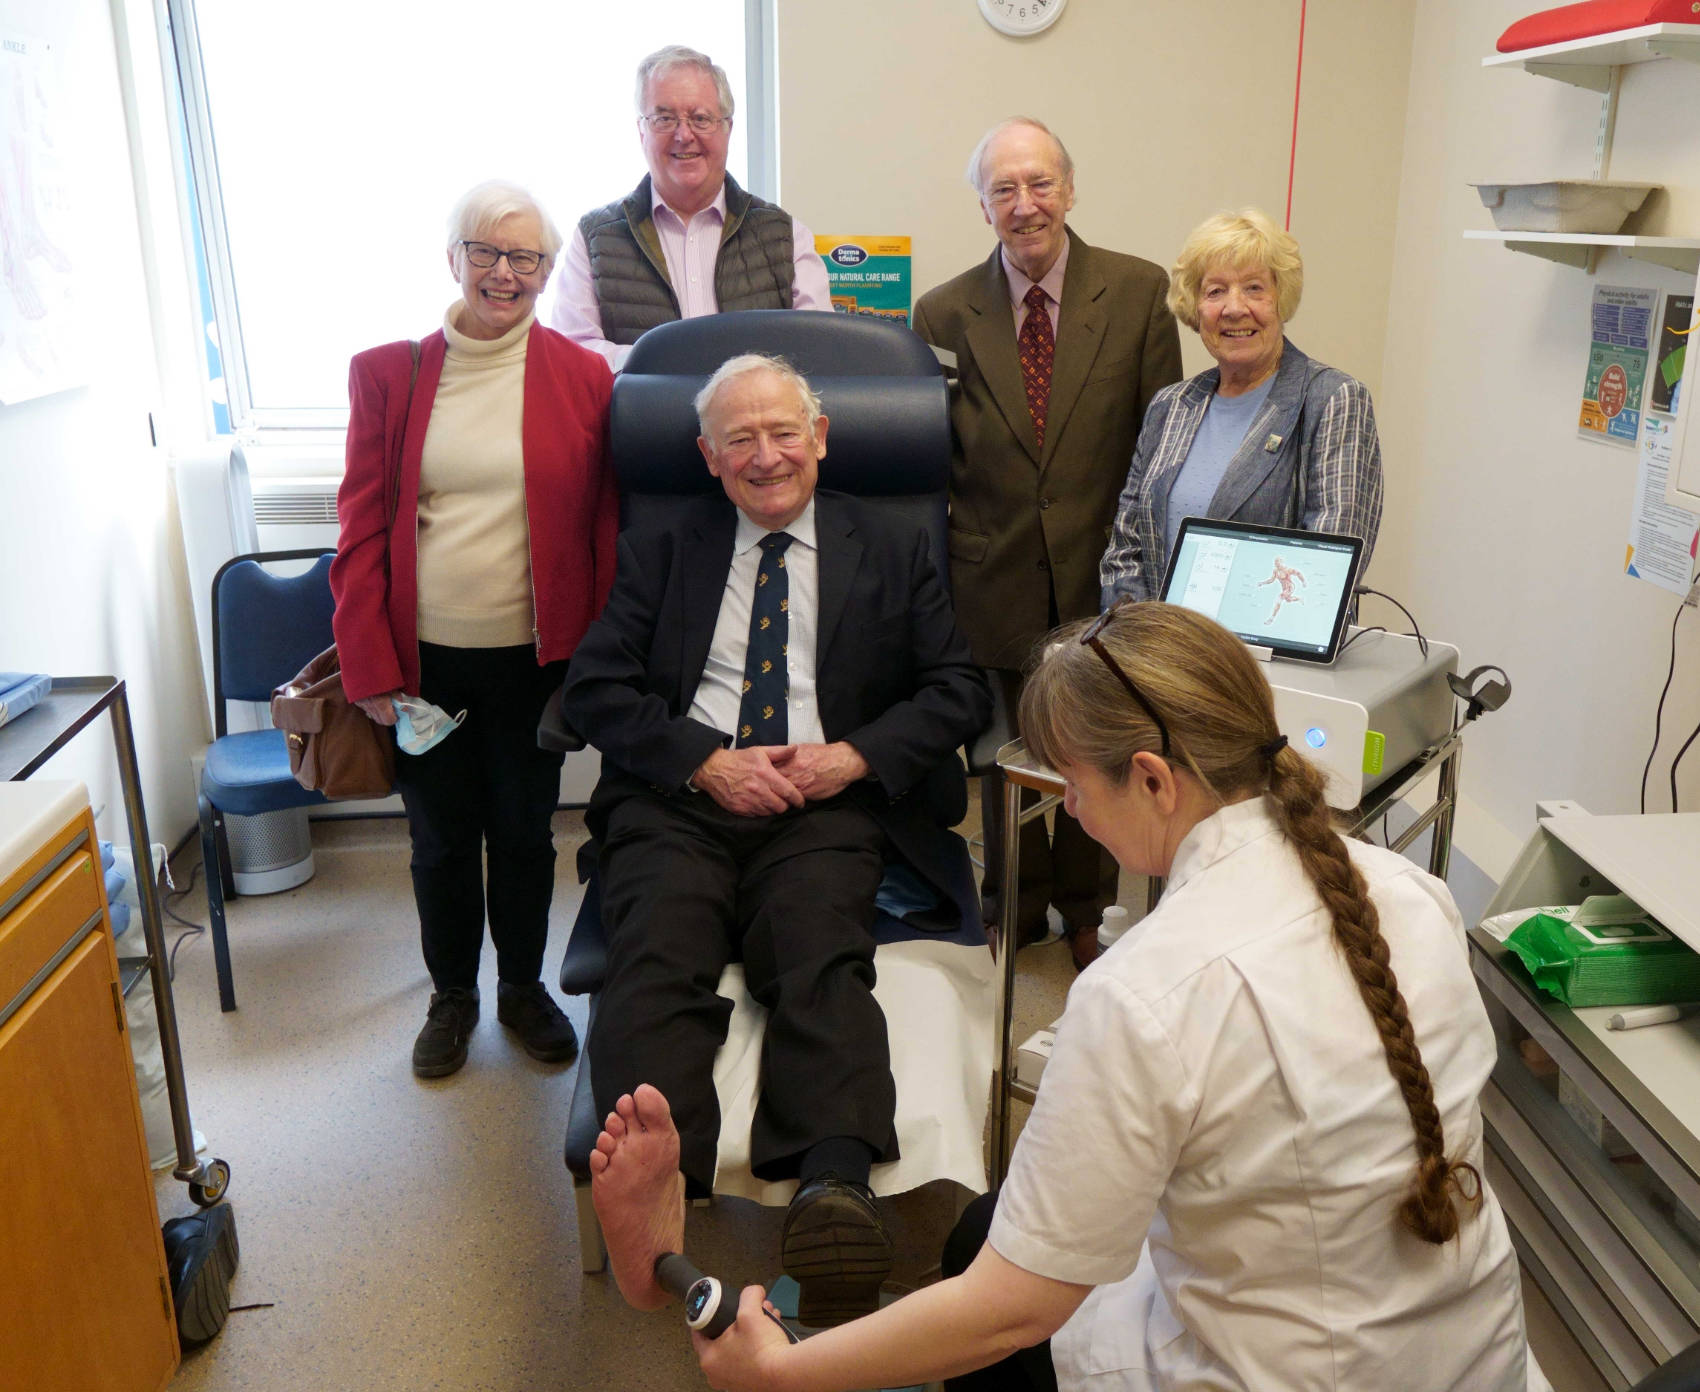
(638, 1192)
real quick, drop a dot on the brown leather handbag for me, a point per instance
(334, 748)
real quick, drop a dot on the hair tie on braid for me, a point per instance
(1274, 747)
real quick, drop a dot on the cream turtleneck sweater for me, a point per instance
(474, 540)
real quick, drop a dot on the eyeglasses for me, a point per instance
(1091, 639)
(1002, 195)
(665, 122)
(484, 256)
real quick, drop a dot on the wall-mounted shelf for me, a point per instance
(1597, 63)
(1589, 62)
(1580, 248)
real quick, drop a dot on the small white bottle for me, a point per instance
(1114, 925)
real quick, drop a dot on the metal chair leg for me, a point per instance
(214, 871)
(226, 864)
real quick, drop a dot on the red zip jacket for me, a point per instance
(570, 502)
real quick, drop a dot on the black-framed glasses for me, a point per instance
(484, 256)
(665, 122)
(1091, 638)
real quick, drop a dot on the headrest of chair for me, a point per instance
(886, 435)
(832, 345)
(267, 627)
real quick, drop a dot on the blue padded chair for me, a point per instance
(887, 399)
(265, 629)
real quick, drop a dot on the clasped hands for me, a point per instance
(762, 780)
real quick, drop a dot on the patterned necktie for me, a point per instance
(767, 679)
(1037, 346)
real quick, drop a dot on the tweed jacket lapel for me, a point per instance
(991, 336)
(1081, 322)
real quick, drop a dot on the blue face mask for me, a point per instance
(419, 725)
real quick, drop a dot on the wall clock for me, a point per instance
(1021, 17)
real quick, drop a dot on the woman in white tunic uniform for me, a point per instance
(1265, 1094)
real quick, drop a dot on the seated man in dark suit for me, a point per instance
(777, 686)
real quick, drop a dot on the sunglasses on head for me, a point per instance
(1092, 638)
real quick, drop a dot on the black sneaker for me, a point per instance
(531, 1013)
(441, 1046)
(201, 1253)
(835, 1247)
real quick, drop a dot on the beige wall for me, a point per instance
(1171, 108)
(1505, 532)
(91, 564)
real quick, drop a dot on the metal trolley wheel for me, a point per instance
(217, 1181)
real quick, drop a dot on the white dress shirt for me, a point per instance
(1219, 1146)
(691, 248)
(721, 690)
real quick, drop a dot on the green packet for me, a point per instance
(1634, 962)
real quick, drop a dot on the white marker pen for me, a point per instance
(1650, 1015)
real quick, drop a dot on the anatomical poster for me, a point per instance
(42, 338)
(1620, 326)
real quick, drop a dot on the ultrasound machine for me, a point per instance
(1361, 703)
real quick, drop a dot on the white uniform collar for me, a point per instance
(1219, 835)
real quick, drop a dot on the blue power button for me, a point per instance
(1316, 737)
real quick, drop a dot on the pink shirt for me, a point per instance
(1019, 285)
(691, 246)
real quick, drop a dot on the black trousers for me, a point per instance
(486, 792)
(1026, 1370)
(688, 887)
(1066, 867)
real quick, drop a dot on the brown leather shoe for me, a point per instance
(1083, 947)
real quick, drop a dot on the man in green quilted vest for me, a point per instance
(688, 240)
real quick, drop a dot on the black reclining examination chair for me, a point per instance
(889, 443)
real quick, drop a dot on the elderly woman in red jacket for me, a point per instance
(478, 520)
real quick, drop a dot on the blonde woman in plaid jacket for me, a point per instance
(1267, 435)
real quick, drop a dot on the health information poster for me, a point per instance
(1662, 537)
(1620, 335)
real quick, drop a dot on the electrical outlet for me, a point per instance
(1693, 593)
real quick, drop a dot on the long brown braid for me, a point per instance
(1221, 718)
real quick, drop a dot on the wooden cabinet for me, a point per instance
(85, 1302)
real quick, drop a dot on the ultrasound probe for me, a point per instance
(707, 1309)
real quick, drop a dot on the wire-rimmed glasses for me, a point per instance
(666, 122)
